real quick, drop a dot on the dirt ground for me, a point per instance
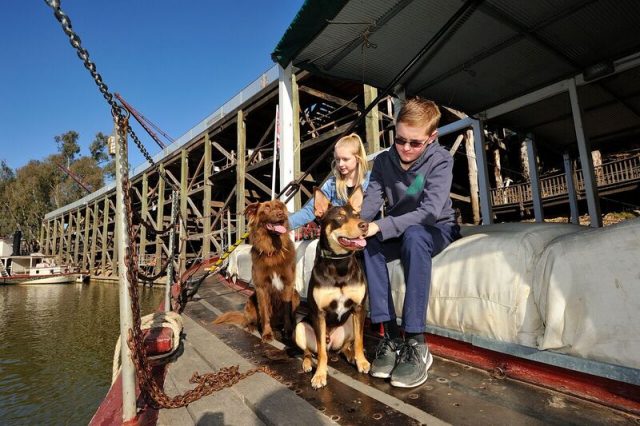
(607, 219)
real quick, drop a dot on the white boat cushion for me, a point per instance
(588, 291)
(481, 284)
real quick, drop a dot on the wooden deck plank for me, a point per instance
(223, 407)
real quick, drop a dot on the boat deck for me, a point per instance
(454, 393)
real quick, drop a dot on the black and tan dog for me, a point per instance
(273, 272)
(337, 289)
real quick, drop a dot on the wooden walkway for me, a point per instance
(612, 177)
(454, 393)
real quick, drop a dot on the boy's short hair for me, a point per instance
(418, 112)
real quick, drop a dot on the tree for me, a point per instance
(68, 145)
(98, 149)
(39, 187)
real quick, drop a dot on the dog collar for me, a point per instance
(328, 255)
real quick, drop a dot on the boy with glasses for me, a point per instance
(414, 177)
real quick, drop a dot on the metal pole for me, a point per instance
(584, 149)
(483, 173)
(126, 317)
(571, 188)
(172, 242)
(534, 178)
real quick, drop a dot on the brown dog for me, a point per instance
(273, 259)
(337, 289)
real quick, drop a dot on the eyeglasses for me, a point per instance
(413, 144)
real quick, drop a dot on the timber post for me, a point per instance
(206, 211)
(85, 241)
(184, 196)
(160, 219)
(372, 120)
(241, 161)
(94, 239)
(142, 250)
(104, 239)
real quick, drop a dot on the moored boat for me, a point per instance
(35, 268)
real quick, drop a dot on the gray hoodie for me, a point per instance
(419, 195)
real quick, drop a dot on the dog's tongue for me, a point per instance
(280, 229)
(360, 242)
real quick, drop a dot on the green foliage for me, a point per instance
(68, 145)
(39, 187)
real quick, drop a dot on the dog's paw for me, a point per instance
(319, 380)
(363, 365)
(307, 366)
(267, 337)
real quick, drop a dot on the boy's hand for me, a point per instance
(373, 229)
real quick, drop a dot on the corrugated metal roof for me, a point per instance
(501, 49)
(504, 48)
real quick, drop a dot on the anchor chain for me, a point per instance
(150, 389)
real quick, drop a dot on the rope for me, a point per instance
(169, 319)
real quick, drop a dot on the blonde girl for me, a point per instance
(350, 170)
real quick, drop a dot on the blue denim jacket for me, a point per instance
(305, 214)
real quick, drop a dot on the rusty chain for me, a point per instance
(151, 390)
(83, 54)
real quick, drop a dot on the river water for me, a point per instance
(56, 350)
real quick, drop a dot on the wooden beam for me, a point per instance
(194, 175)
(94, 239)
(85, 242)
(103, 240)
(259, 184)
(142, 251)
(372, 120)
(159, 219)
(263, 139)
(224, 152)
(329, 98)
(206, 202)
(240, 172)
(184, 184)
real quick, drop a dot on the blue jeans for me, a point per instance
(414, 248)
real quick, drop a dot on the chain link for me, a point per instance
(151, 390)
(83, 54)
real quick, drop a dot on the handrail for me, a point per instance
(610, 173)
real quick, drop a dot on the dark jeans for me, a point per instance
(414, 248)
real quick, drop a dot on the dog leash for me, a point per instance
(216, 266)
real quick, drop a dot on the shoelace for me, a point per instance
(383, 346)
(409, 353)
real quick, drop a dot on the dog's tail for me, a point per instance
(235, 317)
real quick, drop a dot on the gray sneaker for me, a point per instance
(414, 359)
(385, 360)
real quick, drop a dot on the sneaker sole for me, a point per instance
(420, 381)
(380, 375)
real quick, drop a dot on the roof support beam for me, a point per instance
(584, 148)
(534, 178)
(285, 102)
(571, 188)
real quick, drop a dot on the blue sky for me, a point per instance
(175, 62)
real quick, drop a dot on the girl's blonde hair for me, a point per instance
(354, 142)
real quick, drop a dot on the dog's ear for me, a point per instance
(251, 211)
(321, 203)
(355, 201)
